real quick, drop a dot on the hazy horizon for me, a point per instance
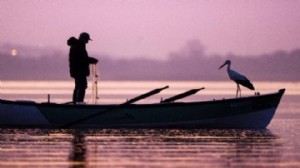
(190, 62)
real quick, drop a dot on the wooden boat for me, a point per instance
(247, 112)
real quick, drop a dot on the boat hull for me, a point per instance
(247, 112)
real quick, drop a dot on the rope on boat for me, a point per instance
(94, 81)
(0, 88)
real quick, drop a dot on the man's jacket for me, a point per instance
(78, 58)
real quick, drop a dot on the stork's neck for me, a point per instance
(228, 67)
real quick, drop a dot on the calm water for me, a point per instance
(276, 146)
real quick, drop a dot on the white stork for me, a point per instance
(237, 78)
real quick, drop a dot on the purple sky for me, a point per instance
(154, 28)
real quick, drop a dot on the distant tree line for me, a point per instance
(189, 63)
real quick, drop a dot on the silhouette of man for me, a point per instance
(79, 64)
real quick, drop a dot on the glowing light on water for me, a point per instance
(119, 91)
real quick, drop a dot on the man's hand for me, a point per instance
(93, 60)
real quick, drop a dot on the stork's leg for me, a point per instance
(237, 90)
(240, 91)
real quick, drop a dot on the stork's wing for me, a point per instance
(246, 83)
(236, 76)
(240, 79)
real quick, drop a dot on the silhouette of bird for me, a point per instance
(238, 78)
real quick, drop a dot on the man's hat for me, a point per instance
(85, 35)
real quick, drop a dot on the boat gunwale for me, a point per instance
(87, 106)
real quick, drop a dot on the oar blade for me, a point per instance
(148, 94)
(182, 95)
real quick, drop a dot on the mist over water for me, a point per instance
(191, 62)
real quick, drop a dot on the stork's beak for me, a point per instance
(222, 66)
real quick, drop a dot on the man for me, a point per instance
(79, 64)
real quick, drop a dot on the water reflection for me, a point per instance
(139, 148)
(78, 150)
(184, 148)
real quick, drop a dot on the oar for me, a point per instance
(148, 94)
(143, 96)
(182, 95)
